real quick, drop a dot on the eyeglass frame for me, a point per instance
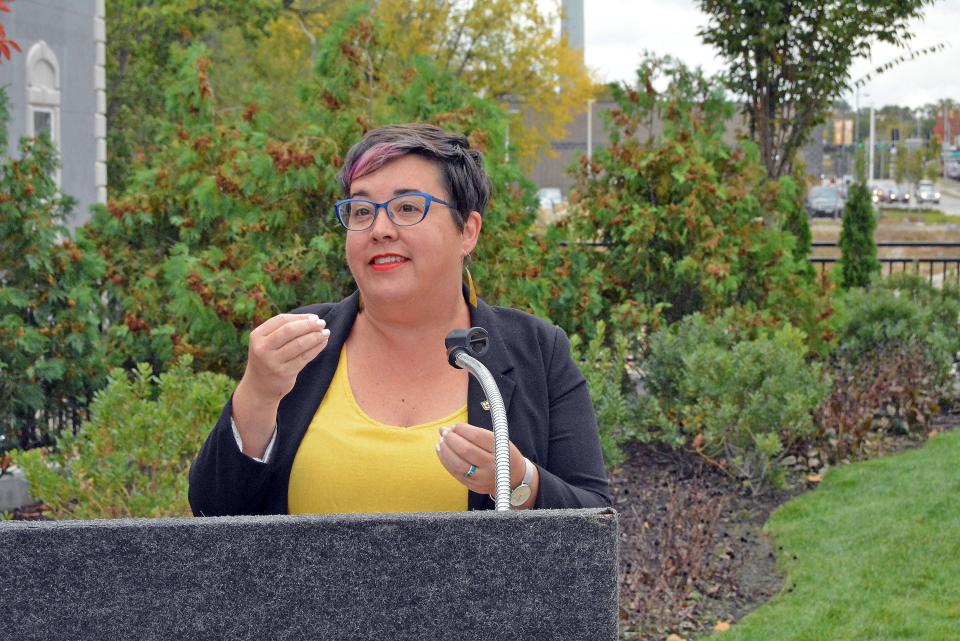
(430, 199)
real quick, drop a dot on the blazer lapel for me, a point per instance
(497, 361)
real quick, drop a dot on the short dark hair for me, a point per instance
(461, 167)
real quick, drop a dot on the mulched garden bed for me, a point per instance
(692, 551)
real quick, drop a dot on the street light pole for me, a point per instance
(873, 128)
(590, 102)
(856, 117)
(856, 130)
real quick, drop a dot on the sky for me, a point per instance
(617, 31)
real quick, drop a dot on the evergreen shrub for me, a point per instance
(603, 367)
(789, 193)
(897, 310)
(684, 221)
(742, 398)
(897, 345)
(131, 457)
(858, 261)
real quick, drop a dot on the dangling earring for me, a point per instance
(471, 288)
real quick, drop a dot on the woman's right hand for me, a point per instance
(279, 349)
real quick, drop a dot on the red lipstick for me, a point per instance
(387, 262)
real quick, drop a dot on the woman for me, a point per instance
(353, 407)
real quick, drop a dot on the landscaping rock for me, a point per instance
(14, 490)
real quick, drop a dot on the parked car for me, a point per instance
(926, 193)
(825, 200)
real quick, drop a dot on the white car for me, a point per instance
(926, 193)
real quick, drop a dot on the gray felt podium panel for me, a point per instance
(543, 574)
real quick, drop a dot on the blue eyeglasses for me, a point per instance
(357, 214)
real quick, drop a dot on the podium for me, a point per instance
(538, 574)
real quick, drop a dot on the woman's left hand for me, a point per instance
(462, 446)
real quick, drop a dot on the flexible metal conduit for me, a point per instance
(501, 434)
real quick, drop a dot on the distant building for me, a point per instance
(58, 85)
(572, 24)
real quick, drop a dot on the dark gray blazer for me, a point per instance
(550, 416)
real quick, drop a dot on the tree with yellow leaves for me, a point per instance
(503, 49)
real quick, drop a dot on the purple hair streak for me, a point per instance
(374, 158)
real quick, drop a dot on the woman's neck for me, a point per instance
(413, 325)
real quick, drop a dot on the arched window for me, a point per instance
(43, 94)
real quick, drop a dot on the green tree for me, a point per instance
(791, 201)
(914, 165)
(789, 60)
(248, 66)
(900, 166)
(141, 38)
(687, 222)
(50, 308)
(858, 262)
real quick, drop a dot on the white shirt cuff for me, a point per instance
(266, 453)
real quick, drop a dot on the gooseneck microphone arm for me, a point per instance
(463, 348)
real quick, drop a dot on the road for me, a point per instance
(949, 200)
(949, 197)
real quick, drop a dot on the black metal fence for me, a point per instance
(939, 269)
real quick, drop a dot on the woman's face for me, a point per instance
(394, 264)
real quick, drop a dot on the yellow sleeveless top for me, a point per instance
(348, 462)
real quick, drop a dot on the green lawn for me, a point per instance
(872, 554)
(929, 216)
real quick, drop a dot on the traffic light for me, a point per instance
(895, 134)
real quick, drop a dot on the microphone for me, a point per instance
(464, 347)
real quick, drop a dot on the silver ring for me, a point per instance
(471, 471)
